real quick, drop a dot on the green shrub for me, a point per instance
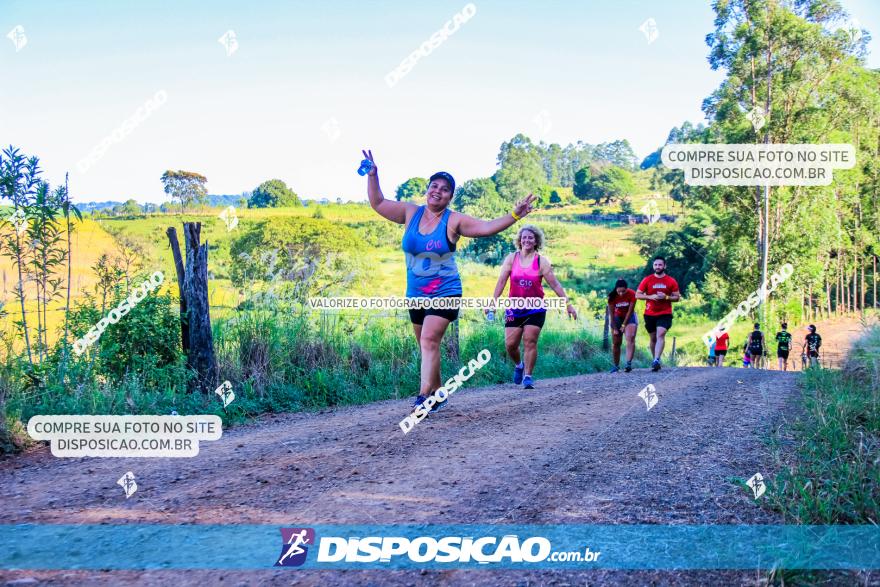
(295, 257)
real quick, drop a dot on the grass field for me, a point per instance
(582, 248)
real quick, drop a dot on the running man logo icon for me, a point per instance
(332, 129)
(293, 549)
(853, 30)
(18, 219)
(650, 30)
(651, 210)
(229, 217)
(18, 38)
(225, 392)
(756, 117)
(649, 395)
(543, 121)
(229, 42)
(757, 485)
(128, 484)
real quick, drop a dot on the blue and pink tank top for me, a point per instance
(525, 282)
(431, 271)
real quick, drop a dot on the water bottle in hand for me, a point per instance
(366, 166)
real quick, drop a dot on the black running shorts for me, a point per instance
(535, 319)
(652, 322)
(417, 316)
(720, 353)
(782, 354)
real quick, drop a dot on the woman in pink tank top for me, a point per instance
(526, 269)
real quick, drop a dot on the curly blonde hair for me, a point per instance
(539, 236)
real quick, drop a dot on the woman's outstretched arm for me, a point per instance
(390, 209)
(474, 227)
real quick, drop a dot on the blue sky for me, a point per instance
(259, 113)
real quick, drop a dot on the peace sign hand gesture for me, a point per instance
(524, 206)
(368, 154)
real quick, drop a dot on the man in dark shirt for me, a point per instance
(783, 346)
(812, 343)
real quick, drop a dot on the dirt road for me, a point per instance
(579, 450)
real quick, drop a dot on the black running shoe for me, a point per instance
(655, 366)
(439, 405)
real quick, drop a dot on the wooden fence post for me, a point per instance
(605, 331)
(672, 359)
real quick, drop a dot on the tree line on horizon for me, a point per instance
(557, 175)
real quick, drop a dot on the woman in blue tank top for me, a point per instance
(429, 241)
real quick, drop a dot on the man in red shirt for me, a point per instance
(659, 290)
(721, 345)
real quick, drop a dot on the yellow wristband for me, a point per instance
(515, 217)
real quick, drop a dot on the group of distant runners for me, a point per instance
(755, 348)
(429, 242)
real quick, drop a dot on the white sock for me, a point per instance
(521, 365)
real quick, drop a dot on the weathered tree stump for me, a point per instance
(178, 266)
(192, 276)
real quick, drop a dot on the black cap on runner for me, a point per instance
(447, 177)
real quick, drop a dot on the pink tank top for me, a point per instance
(525, 282)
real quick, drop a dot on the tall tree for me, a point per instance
(187, 187)
(777, 57)
(129, 208)
(520, 169)
(582, 183)
(612, 183)
(617, 153)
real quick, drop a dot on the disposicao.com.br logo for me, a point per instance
(400, 551)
